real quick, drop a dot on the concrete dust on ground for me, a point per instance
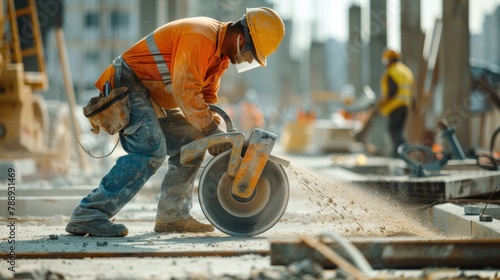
(317, 205)
(354, 211)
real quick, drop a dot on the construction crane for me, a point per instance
(30, 126)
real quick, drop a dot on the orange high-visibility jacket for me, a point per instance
(191, 49)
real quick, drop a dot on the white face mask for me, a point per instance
(244, 59)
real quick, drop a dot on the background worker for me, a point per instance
(178, 67)
(396, 87)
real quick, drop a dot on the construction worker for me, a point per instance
(396, 87)
(177, 68)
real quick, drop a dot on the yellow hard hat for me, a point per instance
(266, 29)
(390, 54)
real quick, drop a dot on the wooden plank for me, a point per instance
(333, 257)
(400, 254)
(70, 93)
(426, 82)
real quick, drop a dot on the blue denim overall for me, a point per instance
(146, 142)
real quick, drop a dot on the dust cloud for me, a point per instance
(350, 210)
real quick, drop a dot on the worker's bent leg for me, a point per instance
(176, 197)
(144, 142)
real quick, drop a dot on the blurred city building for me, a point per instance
(486, 46)
(310, 71)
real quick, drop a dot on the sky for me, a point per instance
(332, 17)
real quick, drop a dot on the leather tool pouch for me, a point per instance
(110, 113)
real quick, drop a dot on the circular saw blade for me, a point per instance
(240, 207)
(237, 216)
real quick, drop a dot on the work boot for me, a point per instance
(103, 228)
(186, 225)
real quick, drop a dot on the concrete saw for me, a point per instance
(243, 191)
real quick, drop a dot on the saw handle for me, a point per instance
(230, 128)
(229, 123)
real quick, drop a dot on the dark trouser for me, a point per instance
(177, 186)
(397, 121)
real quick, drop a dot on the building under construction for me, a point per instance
(309, 189)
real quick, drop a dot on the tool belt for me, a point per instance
(110, 111)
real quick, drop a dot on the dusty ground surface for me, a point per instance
(319, 203)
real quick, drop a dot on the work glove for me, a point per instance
(219, 148)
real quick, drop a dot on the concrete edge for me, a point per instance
(450, 218)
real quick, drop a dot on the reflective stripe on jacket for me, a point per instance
(190, 48)
(403, 78)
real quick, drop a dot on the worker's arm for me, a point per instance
(389, 91)
(392, 87)
(190, 89)
(190, 63)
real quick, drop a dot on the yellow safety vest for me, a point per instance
(403, 77)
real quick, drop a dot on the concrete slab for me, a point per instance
(450, 218)
(42, 206)
(46, 202)
(43, 201)
(445, 185)
(22, 167)
(478, 208)
(317, 205)
(462, 164)
(37, 192)
(459, 179)
(330, 136)
(485, 230)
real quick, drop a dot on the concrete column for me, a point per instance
(412, 37)
(378, 135)
(454, 68)
(148, 16)
(161, 12)
(378, 41)
(412, 43)
(355, 50)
